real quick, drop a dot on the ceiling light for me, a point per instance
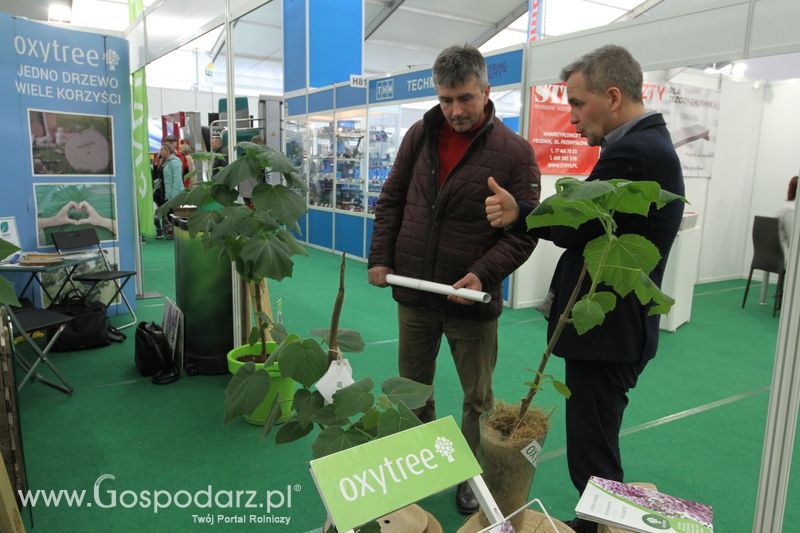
(738, 69)
(59, 13)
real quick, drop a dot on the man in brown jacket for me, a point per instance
(430, 224)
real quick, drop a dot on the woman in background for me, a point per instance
(171, 170)
(785, 217)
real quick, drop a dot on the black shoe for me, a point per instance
(581, 526)
(466, 502)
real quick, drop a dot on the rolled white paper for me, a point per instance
(438, 288)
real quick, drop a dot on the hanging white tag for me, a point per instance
(531, 452)
(338, 376)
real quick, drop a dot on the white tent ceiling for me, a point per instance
(185, 38)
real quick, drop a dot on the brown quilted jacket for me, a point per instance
(440, 235)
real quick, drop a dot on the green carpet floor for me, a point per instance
(694, 425)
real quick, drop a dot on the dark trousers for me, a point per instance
(594, 418)
(473, 344)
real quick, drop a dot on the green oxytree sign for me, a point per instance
(368, 481)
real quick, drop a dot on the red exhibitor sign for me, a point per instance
(558, 147)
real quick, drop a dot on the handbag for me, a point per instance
(89, 327)
(152, 354)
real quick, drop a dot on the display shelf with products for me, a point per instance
(350, 148)
(383, 140)
(320, 161)
(296, 149)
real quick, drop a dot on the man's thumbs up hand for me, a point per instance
(501, 208)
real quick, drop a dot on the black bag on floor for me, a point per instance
(89, 327)
(153, 356)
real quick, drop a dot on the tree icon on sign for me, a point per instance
(445, 448)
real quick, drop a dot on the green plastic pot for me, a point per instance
(279, 386)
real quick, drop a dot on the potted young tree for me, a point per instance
(619, 262)
(353, 416)
(258, 240)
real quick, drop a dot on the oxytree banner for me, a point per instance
(65, 100)
(141, 143)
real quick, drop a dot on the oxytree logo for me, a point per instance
(390, 473)
(112, 59)
(445, 448)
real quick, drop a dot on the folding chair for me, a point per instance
(24, 321)
(84, 239)
(767, 256)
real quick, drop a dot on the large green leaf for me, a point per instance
(355, 398)
(223, 195)
(274, 411)
(666, 197)
(348, 340)
(335, 439)
(176, 201)
(295, 248)
(295, 180)
(202, 222)
(559, 211)
(586, 314)
(411, 393)
(281, 202)
(562, 389)
(7, 248)
(327, 417)
(7, 295)
(291, 431)
(306, 404)
(575, 189)
(302, 360)
(371, 418)
(246, 390)
(396, 420)
(617, 262)
(278, 333)
(240, 170)
(267, 257)
(647, 291)
(269, 158)
(198, 195)
(635, 197)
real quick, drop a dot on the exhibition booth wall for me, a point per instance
(754, 156)
(66, 99)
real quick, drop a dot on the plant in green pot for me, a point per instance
(258, 240)
(618, 265)
(351, 415)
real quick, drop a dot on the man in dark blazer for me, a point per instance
(605, 96)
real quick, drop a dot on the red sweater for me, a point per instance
(453, 145)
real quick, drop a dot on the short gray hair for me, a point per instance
(457, 65)
(608, 66)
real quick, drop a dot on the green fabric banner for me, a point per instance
(141, 144)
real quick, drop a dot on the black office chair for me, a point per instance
(86, 239)
(25, 321)
(767, 255)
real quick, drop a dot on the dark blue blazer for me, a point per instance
(627, 334)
